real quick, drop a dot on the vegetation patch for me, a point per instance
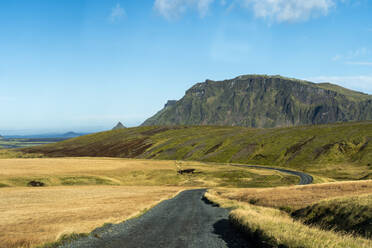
(36, 184)
(85, 180)
(2, 185)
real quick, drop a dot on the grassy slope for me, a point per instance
(352, 95)
(340, 151)
(350, 214)
(270, 227)
(343, 206)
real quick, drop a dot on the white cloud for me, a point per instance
(289, 10)
(359, 83)
(117, 13)
(270, 10)
(364, 63)
(171, 9)
(362, 56)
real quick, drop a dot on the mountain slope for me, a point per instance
(264, 101)
(342, 151)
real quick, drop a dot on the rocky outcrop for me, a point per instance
(264, 101)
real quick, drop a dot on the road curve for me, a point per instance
(185, 221)
(304, 178)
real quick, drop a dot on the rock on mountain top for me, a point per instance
(119, 126)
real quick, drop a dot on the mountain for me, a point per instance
(46, 136)
(71, 135)
(119, 126)
(1, 137)
(264, 101)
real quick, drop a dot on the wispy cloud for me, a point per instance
(360, 83)
(364, 63)
(289, 10)
(117, 13)
(171, 9)
(270, 10)
(358, 56)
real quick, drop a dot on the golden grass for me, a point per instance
(276, 227)
(296, 197)
(130, 172)
(31, 216)
(93, 191)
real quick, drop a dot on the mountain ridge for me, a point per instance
(264, 101)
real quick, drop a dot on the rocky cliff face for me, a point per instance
(264, 101)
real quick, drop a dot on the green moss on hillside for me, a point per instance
(339, 151)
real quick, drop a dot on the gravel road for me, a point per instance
(185, 221)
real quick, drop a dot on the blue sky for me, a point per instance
(83, 65)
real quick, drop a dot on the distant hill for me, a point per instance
(342, 151)
(264, 101)
(71, 134)
(1, 137)
(119, 126)
(47, 136)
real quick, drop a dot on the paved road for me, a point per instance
(185, 221)
(304, 178)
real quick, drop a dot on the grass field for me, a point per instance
(296, 197)
(271, 227)
(112, 171)
(33, 216)
(84, 193)
(339, 151)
